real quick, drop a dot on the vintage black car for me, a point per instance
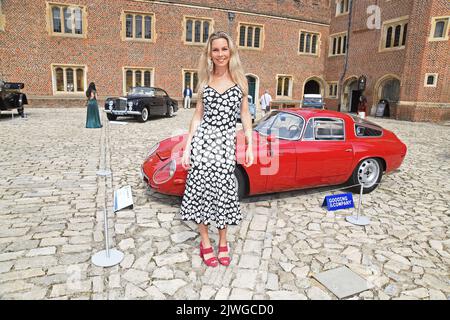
(141, 102)
(11, 97)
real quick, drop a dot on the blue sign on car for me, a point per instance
(339, 201)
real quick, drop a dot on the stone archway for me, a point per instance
(388, 88)
(350, 95)
(315, 85)
(312, 86)
(253, 88)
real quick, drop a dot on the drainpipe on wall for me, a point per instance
(346, 53)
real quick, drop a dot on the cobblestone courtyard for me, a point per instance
(51, 221)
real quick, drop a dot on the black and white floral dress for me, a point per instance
(211, 196)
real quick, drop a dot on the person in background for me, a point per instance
(362, 107)
(187, 94)
(93, 115)
(265, 101)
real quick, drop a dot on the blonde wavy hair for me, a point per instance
(206, 66)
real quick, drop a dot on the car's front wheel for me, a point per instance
(170, 111)
(240, 182)
(111, 117)
(144, 115)
(367, 173)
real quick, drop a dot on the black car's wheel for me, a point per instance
(170, 111)
(368, 173)
(111, 117)
(144, 115)
(240, 180)
(20, 111)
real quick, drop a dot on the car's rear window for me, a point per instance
(366, 131)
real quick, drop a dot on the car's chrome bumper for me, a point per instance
(123, 113)
(143, 175)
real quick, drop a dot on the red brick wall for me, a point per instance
(30, 50)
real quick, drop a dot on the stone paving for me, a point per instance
(52, 205)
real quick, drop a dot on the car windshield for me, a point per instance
(281, 124)
(142, 90)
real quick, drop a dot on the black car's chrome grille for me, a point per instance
(120, 104)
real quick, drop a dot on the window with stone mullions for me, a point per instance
(137, 78)
(138, 26)
(339, 45)
(69, 79)
(283, 86)
(250, 36)
(308, 43)
(68, 20)
(197, 31)
(396, 35)
(191, 80)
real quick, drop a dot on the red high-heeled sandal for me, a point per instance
(211, 262)
(225, 261)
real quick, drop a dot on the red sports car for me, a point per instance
(293, 149)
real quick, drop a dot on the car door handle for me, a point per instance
(348, 150)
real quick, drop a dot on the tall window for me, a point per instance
(250, 36)
(137, 77)
(67, 20)
(332, 90)
(394, 34)
(284, 86)
(439, 29)
(69, 79)
(139, 26)
(309, 43)
(342, 7)
(2, 18)
(339, 44)
(190, 78)
(197, 31)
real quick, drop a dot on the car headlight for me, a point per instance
(153, 149)
(165, 173)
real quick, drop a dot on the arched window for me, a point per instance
(138, 33)
(314, 44)
(148, 27)
(129, 26)
(405, 31)
(69, 80)
(198, 30)
(189, 30)
(56, 13)
(80, 80)
(250, 37)
(302, 43)
(388, 37)
(129, 80)
(397, 35)
(147, 78)
(439, 29)
(138, 78)
(59, 72)
(205, 31)
(308, 43)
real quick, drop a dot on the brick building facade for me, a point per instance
(289, 47)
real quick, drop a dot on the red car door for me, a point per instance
(281, 164)
(324, 156)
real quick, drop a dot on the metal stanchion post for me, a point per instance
(107, 257)
(104, 172)
(359, 220)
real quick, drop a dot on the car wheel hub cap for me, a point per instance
(368, 173)
(144, 114)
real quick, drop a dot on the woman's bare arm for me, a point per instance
(246, 121)
(195, 122)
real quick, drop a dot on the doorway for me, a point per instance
(312, 87)
(252, 87)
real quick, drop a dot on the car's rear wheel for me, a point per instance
(111, 117)
(240, 181)
(144, 115)
(367, 173)
(170, 111)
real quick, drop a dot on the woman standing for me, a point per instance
(211, 195)
(93, 116)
